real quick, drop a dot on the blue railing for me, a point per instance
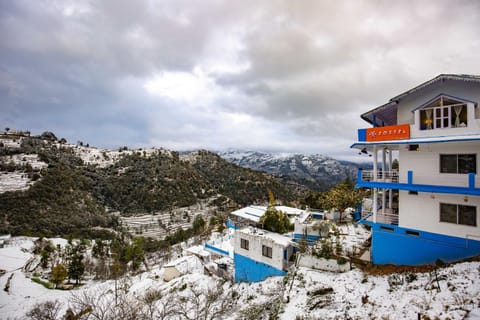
(223, 252)
(364, 218)
(470, 189)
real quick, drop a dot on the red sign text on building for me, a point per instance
(398, 132)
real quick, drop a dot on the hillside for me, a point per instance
(450, 292)
(53, 188)
(318, 172)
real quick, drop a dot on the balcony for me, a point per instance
(390, 180)
(382, 176)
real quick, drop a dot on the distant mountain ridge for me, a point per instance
(48, 187)
(316, 171)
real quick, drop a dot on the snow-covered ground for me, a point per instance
(14, 181)
(104, 158)
(306, 293)
(18, 180)
(22, 293)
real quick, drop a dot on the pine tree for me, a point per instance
(275, 221)
(59, 273)
(76, 267)
(341, 197)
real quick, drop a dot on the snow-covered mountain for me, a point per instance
(316, 171)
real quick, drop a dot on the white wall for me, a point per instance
(422, 212)
(425, 163)
(255, 248)
(306, 228)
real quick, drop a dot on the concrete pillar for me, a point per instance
(375, 192)
(390, 169)
(384, 169)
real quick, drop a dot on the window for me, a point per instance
(458, 163)
(458, 214)
(443, 112)
(244, 244)
(413, 147)
(412, 233)
(387, 228)
(267, 251)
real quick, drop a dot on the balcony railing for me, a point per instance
(390, 180)
(387, 217)
(382, 176)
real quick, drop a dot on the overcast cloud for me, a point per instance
(289, 76)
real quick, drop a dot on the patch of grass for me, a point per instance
(46, 284)
(387, 269)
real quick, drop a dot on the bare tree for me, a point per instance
(48, 310)
(269, 309)
(156, 308)
(105, 306)
(197, 304)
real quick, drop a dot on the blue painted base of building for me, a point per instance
(249, 270)
(400, 246)
(310, 238)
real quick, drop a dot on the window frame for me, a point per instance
(267, 251)
(458, 218)
(245, 244)
(458, 170)
(443, 113)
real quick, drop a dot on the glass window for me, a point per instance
(444, 112)
(458, 163)
(458, 214)
(467, 163)
(267, 251)
(467, 215)
(448, 212)
(244, 244)
(448, 163)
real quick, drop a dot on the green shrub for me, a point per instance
(46, 284)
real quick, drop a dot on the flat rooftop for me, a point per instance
(275, 237)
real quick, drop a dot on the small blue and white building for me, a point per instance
(259, 254)
(427, 209)
(252, 214)
(307, 226)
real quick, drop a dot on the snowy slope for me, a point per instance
(311, 294)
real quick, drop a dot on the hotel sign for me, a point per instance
(387, 133)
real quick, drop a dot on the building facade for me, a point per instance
(308, 226)
(427, 209)
(259, 254)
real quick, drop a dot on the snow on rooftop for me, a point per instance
(187, 264)
(275, 237)
(199, 251)
(223, 242)
(253, 213)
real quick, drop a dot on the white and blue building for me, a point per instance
(259, 254)
(306, 226)
(427, 209)
(251, 215)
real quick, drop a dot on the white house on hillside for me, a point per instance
(427, 210)
(259, 254)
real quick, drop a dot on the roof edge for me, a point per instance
(443, 76)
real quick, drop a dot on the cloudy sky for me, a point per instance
(283, 76)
